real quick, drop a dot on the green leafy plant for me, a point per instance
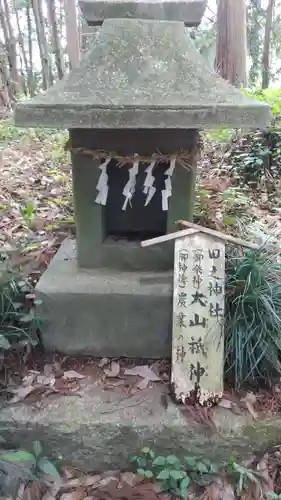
(19, 322)
(228, 207)
(256, 157)
(54, 154)
(58, 152)
(21, 468)
(271, 96)
(235, 205)
(242, 475)
(9, 132)
(27, 212)
(144, 462)
(196, 467)
(202, 205)
(253, 314)
(173, 476)
(220, 135)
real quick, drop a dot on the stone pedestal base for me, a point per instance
(103, 312)
(100, 430)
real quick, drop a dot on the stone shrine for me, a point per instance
(133, 108)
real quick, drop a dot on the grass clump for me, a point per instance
(253, 315)
(18, 319)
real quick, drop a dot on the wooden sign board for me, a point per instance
(198, 310)
(198, 317)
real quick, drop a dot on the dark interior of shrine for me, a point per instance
(138, 221)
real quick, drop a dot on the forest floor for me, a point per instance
(36, 214)
(35, 196)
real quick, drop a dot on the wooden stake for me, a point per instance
(218, 234)
(169, 237)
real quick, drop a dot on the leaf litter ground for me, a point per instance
(35, 201)
(36, 214)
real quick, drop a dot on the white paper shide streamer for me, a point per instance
(130, 187)
(102, 185)
(167, 192)
(148, 187)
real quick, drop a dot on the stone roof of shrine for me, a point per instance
(188, 11)
(142, 74)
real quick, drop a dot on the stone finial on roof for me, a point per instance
(188, 11)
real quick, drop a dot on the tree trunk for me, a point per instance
(10, 47)
(25, 69)
(31, 83)
(12, 43)
(55, 37)
(72, 36)
(22, 73)
(231, 53)
(47, 75)
(62, 33)
(61, 20)
(266, 46)
(6, 92)
(255, 18)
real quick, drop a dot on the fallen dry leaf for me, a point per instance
(68, 472)
(143, 371)
(225, 403)
(32, 491)
(66, 385)
(73, 483)
(252, 490)
(48, 496)
(113, 371)
(93, 481)
(28, 380)
(57, 364)
(103, 362)
(20, 492)
(249, 401)
(131, 478)
(230, 405)
(144, 491)
(48, 370)
(236, 409)
(111, 473)
(164, 400)
(220, 489)
(143, 384)
(262, 469)
(77, 494)
(108, 481)
(73, 374)
(21, 393)
(118, 383)
(166, 496)
(216, 185)
(45, 380)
